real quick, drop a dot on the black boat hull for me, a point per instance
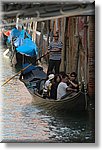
(76, 102)
(72, 102)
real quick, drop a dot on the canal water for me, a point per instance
(22, 121)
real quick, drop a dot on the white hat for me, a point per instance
(51, 76)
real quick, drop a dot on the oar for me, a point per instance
(22, 70)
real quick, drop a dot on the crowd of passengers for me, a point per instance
(58, 86)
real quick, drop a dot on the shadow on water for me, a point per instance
(65, 127)
(59, 127)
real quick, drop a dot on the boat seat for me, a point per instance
(39, 85)
(37, 74)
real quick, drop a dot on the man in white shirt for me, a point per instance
(63, 87)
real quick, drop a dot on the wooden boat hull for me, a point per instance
(72, 102)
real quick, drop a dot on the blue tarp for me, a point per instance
(20, 39)
(28, 48)
(24, 45)
(18, 42)
(14, 33)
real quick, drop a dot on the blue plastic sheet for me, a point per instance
(23, 45)
(14, 33)
(18, 41)
(28, 48)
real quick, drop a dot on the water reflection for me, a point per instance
(24, 122)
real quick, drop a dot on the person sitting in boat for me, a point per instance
(61, 73)
(47, 86)
(53, 91)
(63, 88)
(72, 82)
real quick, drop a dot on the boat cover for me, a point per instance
(28, 48)
(24, 45)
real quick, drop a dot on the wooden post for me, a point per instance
(56, 24)
(41, 50)
(66, 46)
(48, 31)
(66, 41)
(91, 57)
(63, 41)
(76, 47)
(70, 44)
(51, 29)
(86, 49)
(34, 30)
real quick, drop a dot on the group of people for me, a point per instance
(59, 85)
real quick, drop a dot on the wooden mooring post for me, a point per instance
(91, 57)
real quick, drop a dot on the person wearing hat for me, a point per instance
(47, 86)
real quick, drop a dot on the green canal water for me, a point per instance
(21, 121)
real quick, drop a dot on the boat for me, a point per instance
(34, 80)
(20, 48)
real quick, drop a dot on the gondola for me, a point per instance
(21, 47)
(34, 80)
